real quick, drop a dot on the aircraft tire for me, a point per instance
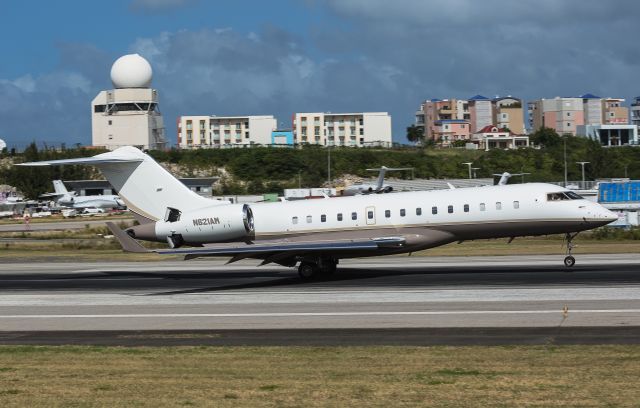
(569, 261)
(307, 270)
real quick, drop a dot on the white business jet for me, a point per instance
(316, 234)
(71, 199)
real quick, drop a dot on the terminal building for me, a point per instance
(128, 115)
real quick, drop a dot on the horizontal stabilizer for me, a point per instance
(82, 160)
(128, 244)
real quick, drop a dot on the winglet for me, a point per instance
(128, 244)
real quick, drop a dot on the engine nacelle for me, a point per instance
(224, 223)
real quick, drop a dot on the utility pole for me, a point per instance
(564, 139)
(329, 166)
(469, 165)
(582, 164)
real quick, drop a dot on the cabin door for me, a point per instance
(370, 214)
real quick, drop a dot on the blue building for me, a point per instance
(282, 137)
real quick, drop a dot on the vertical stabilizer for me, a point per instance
(146, 187)
(59, 188)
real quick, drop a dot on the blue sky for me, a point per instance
(278, 57)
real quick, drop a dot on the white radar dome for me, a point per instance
(131, 71)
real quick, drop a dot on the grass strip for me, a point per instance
(567, 376)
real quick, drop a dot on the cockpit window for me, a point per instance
(574, 196)
(567, 195)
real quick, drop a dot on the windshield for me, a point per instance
(561, 196)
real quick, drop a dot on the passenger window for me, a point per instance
(466, 208)
(434, 210)
(323, 218)
(354, 216)
(482, 207)
(498, 205)
(309, 219)
(339, 216)
(370, 215)
(450, 209)
(418, 211)
(294, 220)
(387, 213)
(403, 212)
(516, 204)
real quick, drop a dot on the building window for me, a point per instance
(498, 205)
(568, 124)
(309, 219)
(246, 135)
(466, 208)
(482, 207)
(434, 210)
(294, 220)
(110, 123)
(387, 213)
(516, 204)
(339, 216)
(370, 215)
(304, 131)
(450, 209)
(403, 212)
(316, 131)
(361, 131)
(323, 218)
(354, 216)
(418, 211)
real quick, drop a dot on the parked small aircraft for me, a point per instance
(379, 187)
(71, 199)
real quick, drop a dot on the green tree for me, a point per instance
(546, 137)
(415, 134)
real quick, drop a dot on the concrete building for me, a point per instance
(343, 129)
(566, 115)
(128, 114)
(610, 135)
(450, 130)
(201, 185)
(492, 137)
(635, 111)
(198, 132)
(508, 113)
(480, 112)
(434, 110)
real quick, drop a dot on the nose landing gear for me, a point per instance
(569, 260)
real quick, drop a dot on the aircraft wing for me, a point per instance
(268, 251)
(99, 159)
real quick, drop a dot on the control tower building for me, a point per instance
(128, 114)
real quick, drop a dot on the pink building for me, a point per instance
(448, 131)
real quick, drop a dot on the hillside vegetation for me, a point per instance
(265, 169)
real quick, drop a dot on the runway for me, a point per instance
(426, 299)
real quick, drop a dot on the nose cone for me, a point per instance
(610, 216)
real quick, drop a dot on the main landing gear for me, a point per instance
(569, 260)
(312, 269)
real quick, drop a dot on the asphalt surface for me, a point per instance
(392, 300)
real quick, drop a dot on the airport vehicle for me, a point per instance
(379, 187)
(316, 234)
(71, 199)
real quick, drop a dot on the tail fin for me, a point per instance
(145, 186)
(59, 188)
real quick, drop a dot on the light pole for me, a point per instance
(582, 164)
(329, 165)
(469, 165)
(564, 139)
